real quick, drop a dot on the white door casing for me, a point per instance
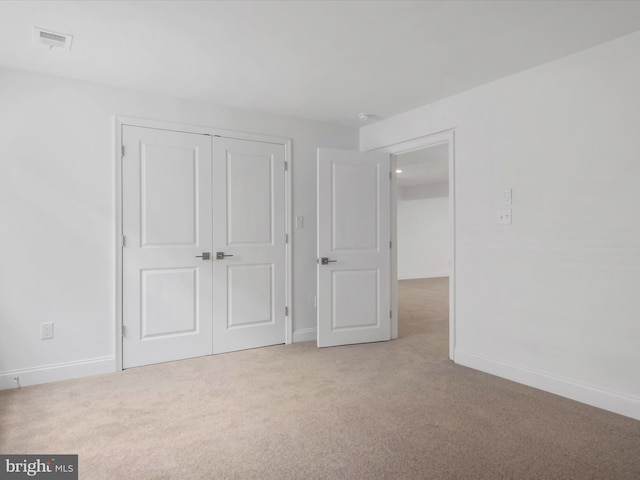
(167, 223)
(448, 137)
(354, 235)
(249, 226)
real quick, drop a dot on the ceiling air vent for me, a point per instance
(53, 39)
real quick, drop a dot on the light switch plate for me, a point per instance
(507, 196)
(46, 330)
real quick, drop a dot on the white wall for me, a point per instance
(423, 232)
(57, 215)
(552, 300)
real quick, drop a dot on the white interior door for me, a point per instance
(167, 224)
(353, 247)
(249, 244)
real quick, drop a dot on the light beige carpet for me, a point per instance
(393, 410)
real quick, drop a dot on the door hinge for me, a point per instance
(286, 238)
(122, 329)
(286, 311)
(122, 151)
(390, 314)
(123, 241)
(286, 166)
(390, 177)
(390, 244)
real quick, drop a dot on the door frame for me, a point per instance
(420, 143)
(119, 122)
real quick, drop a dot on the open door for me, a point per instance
(353, 247)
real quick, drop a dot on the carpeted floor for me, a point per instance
(392, 410)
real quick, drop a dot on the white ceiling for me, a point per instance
(323, 60)
(423, 167)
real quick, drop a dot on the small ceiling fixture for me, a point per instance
(365, 116)
(52, 39)
(398, 171)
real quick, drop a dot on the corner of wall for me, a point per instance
(304, 335)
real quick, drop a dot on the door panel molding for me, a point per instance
(119, 122)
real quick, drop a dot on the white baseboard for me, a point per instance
(423, 275)
(565, 387)
(54, 373)
(305, 335)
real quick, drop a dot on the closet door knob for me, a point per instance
(326, 261)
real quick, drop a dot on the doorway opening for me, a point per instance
(423, 239)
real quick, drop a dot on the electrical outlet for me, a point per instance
(299, 221)
(504, 217)
(46, 330)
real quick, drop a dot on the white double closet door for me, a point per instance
(204, 259)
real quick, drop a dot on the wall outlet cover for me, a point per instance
(504, 216)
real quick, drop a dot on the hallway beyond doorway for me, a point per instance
(423, 310)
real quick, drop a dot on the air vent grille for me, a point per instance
(53, 39)
(53, 36)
